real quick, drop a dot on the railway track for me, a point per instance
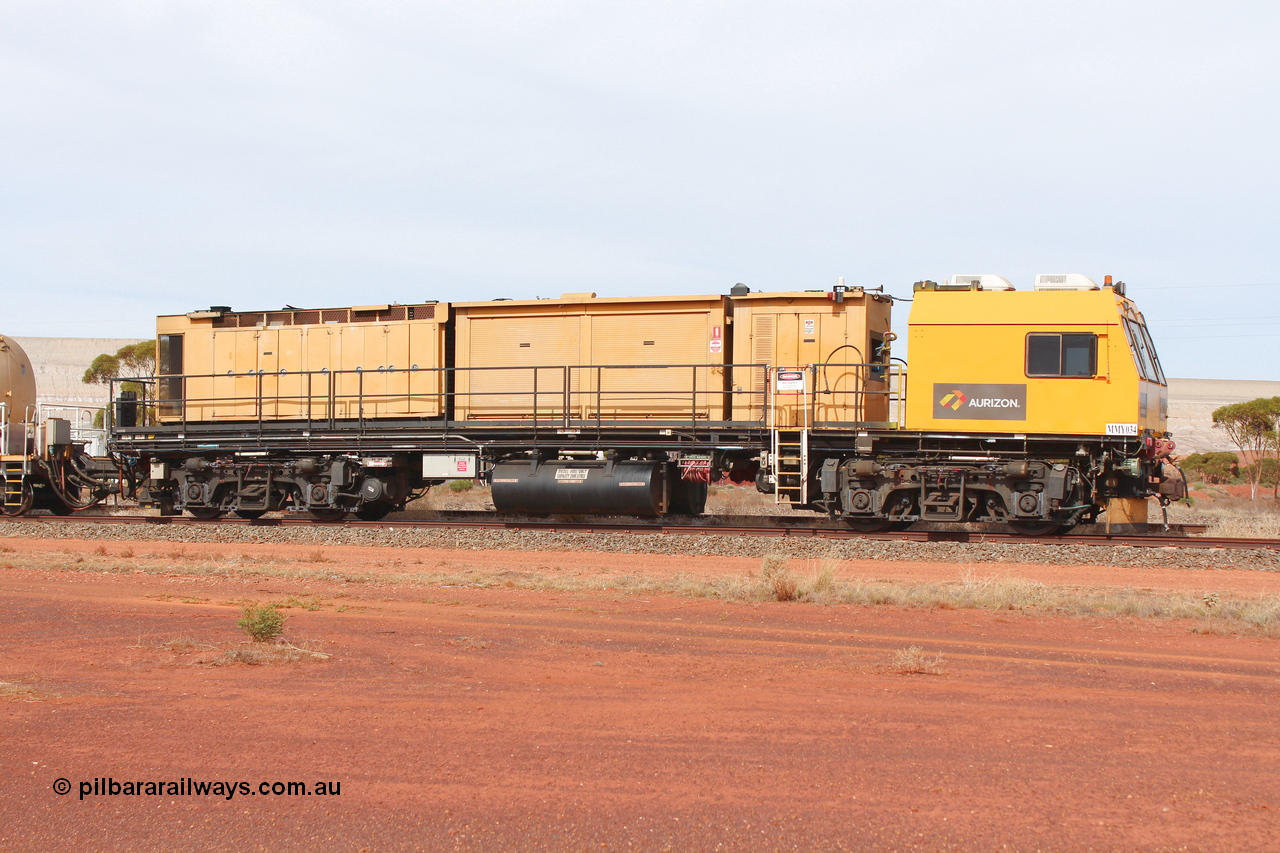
(1178, 536)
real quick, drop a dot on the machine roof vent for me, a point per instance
(1065, 281)
(983, 281)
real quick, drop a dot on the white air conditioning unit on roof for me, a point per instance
(1065, 281)
(984, 281)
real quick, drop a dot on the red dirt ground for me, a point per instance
(459, 718)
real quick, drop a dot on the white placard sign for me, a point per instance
(790, 380)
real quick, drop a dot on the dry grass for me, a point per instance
(1260, 526)
(746, 500)
(468, 643)
(10, 692)
(477, 498)
(1231, 516)
(778, 580)
(824, 575)
(825, 581)
(185, 644)
(779, 583)
(186, 650)
(913, 660)
(263, 654)
(306, 601)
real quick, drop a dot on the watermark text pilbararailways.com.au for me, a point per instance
(106, 786)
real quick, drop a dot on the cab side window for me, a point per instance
(169, 367)
(1062, 354)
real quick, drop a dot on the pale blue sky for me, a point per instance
(159, 157)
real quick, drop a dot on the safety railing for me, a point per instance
(837, 395)
(550, 396)
(84, 422)
(17, 437)
(856, 393)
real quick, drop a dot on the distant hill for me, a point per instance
(1191, 405)
(60, 362)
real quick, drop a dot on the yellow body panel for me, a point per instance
(800, 330)
(968, 358)
(295, 365)
(581, 357)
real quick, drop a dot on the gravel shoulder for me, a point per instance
(700, 545)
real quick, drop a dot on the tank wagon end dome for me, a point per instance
(17, 386)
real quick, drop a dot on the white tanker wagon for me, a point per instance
(41, 464)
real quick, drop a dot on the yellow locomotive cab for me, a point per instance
(1063, 362)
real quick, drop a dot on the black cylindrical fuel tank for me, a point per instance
(579, 488)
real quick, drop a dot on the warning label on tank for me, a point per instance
(967, 402)
(572, 474)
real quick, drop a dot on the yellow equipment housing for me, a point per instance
(368, 361)
(837, 347)
(579, 357)
(1064, 362)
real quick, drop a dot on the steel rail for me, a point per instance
(768, 526)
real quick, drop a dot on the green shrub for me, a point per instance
(262, 622)
(461, 485)
(1218, 467)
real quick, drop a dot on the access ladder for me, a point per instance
(789, 458)
(14, 474)
(789, 427)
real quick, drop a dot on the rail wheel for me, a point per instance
(24, 502)
(206, 513)
(251, 514)
(58, 508)
(328, 514)
(1027, 527)
(373, 512)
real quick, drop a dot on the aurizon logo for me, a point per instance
(954, 399)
